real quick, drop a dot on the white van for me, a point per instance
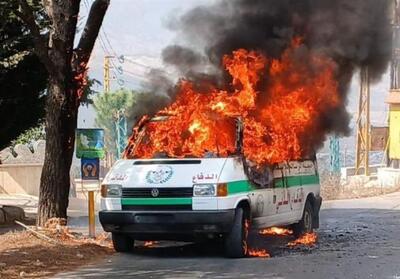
(183, 199)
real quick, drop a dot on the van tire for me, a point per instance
(122, 243)
(236, 239)
(306, 223)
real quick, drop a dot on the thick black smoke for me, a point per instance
(354, 33)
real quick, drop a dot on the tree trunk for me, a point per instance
(67, 73)
(61, 121)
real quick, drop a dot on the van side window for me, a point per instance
(261, 177)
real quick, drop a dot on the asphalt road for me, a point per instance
(353, 243)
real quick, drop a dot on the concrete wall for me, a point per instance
(349, 172)
(389, 177)
(21, 167)
(20, 178)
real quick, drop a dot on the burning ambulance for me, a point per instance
(221, 160)
(264, 83)
(219, 194)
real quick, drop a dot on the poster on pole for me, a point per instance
(90, 169)
(90, 143)
(379, 138)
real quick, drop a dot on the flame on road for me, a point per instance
(261, 253)
(308, 239)
(276, 231)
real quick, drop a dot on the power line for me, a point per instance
(146, 66)
(108, 41)
(108, 49)
(137, 63)
(136, 76)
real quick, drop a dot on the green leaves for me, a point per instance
(30, 135)
(23, 78)
(107, 106)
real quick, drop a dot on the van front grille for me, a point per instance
(162, 192)
(183, 207)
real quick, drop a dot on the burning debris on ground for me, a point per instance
(280, 238)
(260, 253)
(276, 231)
(308, 239)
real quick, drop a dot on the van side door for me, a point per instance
(281, 189)
(295, 186)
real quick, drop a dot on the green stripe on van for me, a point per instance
(156, 201)
(291, 181)
(310, 179)
(294, 181)
(239, 187)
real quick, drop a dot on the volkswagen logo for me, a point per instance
(155, 192)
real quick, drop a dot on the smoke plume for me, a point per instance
(353, 33)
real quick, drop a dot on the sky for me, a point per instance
(138, 31)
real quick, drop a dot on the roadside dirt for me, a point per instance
(23, 255)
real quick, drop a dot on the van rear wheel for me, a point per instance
(306, 223)
(236, 240)
(122, 243)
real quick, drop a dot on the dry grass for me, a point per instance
(23, 255)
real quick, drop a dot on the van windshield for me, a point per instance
(172, 137)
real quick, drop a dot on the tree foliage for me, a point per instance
(31, 135)
(107, 106)
(23, 78)
(89, 91)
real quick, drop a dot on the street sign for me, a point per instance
(90, 143)
(90, 169)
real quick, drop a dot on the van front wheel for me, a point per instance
(122, 243)
(236, 239)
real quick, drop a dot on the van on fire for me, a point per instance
(211, 197)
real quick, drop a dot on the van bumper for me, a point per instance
(167, 222)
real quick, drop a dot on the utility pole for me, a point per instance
(334, 154)
(121, 129)
(119, 116)
(363, 125)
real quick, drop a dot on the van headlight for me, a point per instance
(204, 190)
(111, 191)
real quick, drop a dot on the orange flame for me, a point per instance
(308, 239)
(276, 231)
(280, 118)
(149, 244)
(262, 253)
(81, 80)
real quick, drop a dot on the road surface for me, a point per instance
(357, 239)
